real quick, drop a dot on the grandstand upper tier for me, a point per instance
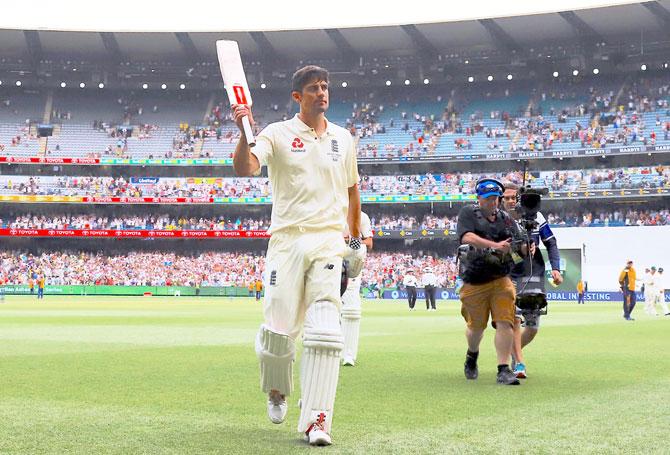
(400, 125)
(545, 84)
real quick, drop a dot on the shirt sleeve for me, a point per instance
(466, 222)
(366, 226)
(352, 164)
(549, 242)
(543, 227)
(264, 148)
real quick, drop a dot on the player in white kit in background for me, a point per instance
(313, 171)
(351, 302)
(651, 291)
(662, 286)
(654, 292)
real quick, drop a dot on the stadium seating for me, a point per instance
(426, 184)
(100, 219)
(388, 125)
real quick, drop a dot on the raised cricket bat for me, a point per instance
(235, 81)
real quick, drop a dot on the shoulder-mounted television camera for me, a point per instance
(528, 206)
(530, 298)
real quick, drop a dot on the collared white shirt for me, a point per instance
(429, 279)
(409, 280)
(650, 281)
(310, 175)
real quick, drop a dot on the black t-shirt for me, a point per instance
(471, 219)
(480, 266)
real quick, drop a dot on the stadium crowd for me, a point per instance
(387, 270)
(541, 123)
(610, 218)
(592, 110)
(158, 222)
(132, 269)
(425, 184)
(121, 187)
(207, 269)
(582, 218)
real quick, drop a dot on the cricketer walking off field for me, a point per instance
(314, 176)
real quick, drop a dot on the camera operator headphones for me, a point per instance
(486, 187)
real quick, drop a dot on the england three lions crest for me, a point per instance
(334, 150)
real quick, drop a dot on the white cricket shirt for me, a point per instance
(310, 176)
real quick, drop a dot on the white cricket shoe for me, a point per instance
(348, 362)
(277, 408)
(316, 434)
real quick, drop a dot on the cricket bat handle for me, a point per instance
(248, 132)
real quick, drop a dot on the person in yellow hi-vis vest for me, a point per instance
(41, 281)
(259, 288)
(580, 292)
(627, 283)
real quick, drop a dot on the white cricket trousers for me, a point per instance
(657, 297)
(302, 267)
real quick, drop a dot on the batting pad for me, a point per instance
(351, 322)
(352, 296)
(320, 366)
(276, 352)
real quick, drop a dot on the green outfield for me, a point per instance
(97, 375)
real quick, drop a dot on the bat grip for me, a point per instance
(248, 132)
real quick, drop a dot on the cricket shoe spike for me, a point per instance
(316, 434)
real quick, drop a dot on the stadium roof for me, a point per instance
(315, 28)
(267, 15)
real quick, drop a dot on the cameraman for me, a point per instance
(529, 278)
(485, 263)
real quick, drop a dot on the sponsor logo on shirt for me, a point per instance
(297, 146)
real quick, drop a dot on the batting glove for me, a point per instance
(355, 257)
